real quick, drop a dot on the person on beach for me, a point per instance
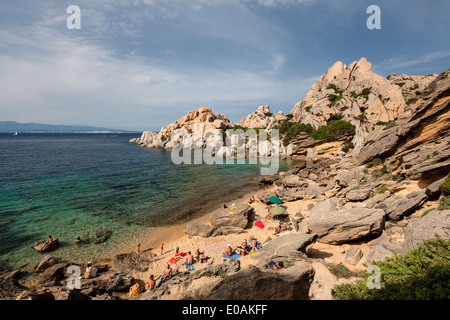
(229, 251)
(200, 256)
(78, 241)
(177, 251)
(49, 240)
(274, 265)
(138, 253)
(90, 272)
(151, 283)
(167, 274)
(189, 258)
(162, 248)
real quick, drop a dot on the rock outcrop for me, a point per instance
(262, 118)
(186, 124)
(340, 226)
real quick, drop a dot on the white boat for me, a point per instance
(15, 134)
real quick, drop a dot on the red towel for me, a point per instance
(182, 254)
(174, 260)
(259, 224)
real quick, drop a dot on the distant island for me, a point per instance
(12, 126)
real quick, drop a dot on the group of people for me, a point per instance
(244, 248)
(280, 228)
(168, 272)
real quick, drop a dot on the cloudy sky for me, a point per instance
(141, 64)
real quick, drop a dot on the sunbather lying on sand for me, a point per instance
(274, 265)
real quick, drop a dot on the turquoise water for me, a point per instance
(99, 187)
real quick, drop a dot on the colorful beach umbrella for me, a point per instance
(294, 223)
(277, 210)
(275, 200)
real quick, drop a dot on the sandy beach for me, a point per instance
(213, 247)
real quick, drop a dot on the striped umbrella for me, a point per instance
(277, 210)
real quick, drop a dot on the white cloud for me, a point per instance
(403, 61)
(65, 80)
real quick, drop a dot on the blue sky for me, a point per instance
(141, 64)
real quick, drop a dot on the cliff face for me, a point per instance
(418, 143)
(361, 97)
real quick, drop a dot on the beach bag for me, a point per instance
(135, 289)
(87, 274)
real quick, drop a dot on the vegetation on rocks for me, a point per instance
(422, 273)
(333, 130)
(445, 186)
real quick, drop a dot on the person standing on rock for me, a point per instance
(138, 253)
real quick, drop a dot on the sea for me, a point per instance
(103, 189)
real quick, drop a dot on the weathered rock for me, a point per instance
(237, 218)
(288, 245)
(201, 230)
(126, 262)
(53, 274)
(350, 177)
(421, 229)
(45, 263)
(9, 288)
(353, 255)
(340, 226)
(378, 198)
(324, 206)
(358, 195)
(396, 207)
(293, 181)
(251, 283)
(377, 253)
(433, 190)
(262, 118)
(415, 136)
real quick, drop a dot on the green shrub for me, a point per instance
(340, 270)
(412, 100)
(333, 98)
(421, 274)
(334, 129)
(347, 146)
(445, 186)
(444, 204)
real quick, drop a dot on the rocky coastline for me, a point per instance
(357, 197)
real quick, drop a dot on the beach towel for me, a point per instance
(182, 254)
(190, 267)
(259, 224)
(233, 256)
(174, 259)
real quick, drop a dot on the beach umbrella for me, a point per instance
(294, 223)
(275, 200)
(277, 210)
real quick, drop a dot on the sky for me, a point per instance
(142, 64)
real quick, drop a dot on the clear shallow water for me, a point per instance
(71, 185)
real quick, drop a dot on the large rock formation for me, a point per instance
(164, 139)
(360, 96)
(417, 144)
